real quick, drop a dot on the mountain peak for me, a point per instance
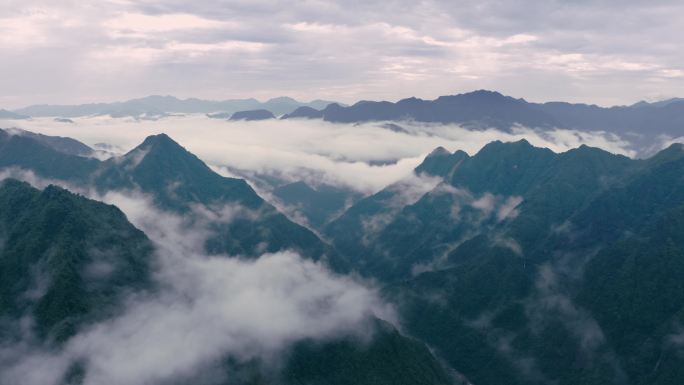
(304, 112)
(161, 144)
(498, 149)
(158, 140)
(440, 162)
(260, 114)
(158, 97)
(484, 93)
(11, 183)
(282, 99)
(477, 95)
(439, 151)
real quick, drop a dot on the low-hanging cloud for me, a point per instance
(365, 157)
(206, 308)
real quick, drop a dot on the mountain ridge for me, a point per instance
(162, 105)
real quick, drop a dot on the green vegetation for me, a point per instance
(65, 259)
(581, 285)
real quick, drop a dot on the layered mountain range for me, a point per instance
(514, 265)
(158, 106)
(484, 109)
(645, 125)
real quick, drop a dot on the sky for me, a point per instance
(604, 52)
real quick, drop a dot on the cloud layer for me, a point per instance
(365, 157)
(605, 52)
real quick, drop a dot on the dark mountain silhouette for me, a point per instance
(156, 105)
(479, 109)
(36, 153)
(62, 144)
(304, 112)
(252, 115)
(488, 109)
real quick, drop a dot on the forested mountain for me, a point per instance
(527, 266)
(68, 261)
(178, 181)
(65, 259)
(515, 265)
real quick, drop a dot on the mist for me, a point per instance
(364, 157)
(205, 308)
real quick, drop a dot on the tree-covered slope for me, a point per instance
(65, 259)
(387, 359)
(177, 181)
(512, 192)
(581, 286)
(29, 153)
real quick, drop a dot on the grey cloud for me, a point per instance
(345, 50)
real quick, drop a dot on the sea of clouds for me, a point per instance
(365, 157)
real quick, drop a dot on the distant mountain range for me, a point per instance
(642, 122)
(489, 109)
(159, 106)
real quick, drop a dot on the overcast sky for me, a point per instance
(604, 52)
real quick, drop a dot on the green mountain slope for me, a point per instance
(65, 259)
(25, 152)
(575, 281)
(177, 181)
(389, 359)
